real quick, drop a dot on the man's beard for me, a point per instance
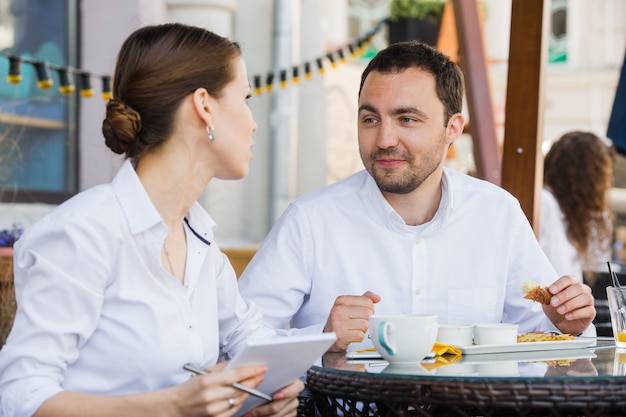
(391, 180)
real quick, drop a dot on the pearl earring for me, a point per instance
(209, 131)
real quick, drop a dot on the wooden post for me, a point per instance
(478, 90)
(522, 161)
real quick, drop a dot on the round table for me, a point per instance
(574, 382)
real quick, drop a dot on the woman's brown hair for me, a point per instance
(578, 170)
(157, 67)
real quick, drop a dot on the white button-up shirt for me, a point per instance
(98, 313)
(467, 265)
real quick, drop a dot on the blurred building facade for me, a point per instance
(307, 131)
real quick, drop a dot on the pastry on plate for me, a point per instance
(543, 337)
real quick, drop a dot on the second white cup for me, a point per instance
(495, 334)
(456, 334)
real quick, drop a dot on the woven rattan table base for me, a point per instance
(350, 394)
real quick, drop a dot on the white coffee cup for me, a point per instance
(456, 334)
(403, 338)
(495, 334)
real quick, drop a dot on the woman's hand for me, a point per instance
(285, 402)
(212, 394)
(201, 396)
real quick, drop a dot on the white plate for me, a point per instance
(529, 346)
(553, 345)
(533, 356)
(367, 355)
(363, 355)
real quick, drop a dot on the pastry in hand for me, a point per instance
(535, 292)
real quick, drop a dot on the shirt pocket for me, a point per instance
(473, 305)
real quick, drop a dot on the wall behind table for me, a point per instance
(22, 213)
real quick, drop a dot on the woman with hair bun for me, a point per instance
(123, 284)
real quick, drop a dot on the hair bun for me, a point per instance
(121, 128)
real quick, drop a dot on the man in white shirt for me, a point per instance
(407, 235)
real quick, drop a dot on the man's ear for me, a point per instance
(204, 105)
(455, 127)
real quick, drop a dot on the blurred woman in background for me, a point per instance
(576, 223)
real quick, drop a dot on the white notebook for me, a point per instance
(287, 359)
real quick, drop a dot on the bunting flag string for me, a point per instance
(332, 60)
(261, 83)
(66, 76)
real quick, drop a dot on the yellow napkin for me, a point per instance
(445, 355)
(441, 349)
(441, 361)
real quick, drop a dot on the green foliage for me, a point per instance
(416, 9)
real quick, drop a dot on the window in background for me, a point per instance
(557, 47)
(363, 15)
(38, 157)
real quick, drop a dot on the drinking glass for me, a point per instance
(617, 307)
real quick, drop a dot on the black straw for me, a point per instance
(613, 276)
(616, 283)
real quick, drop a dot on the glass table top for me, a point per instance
(601, 359)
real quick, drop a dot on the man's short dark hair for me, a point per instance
(400, 56)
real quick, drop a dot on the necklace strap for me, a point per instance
(167, 255)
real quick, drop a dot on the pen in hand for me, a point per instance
(235, 385)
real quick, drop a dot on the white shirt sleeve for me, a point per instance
(47, 333)
(278, 276)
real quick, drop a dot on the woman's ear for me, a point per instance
(204, 104)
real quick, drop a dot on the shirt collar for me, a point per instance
(383, 210)
(134, 200)
(141, 213)
(447, 186)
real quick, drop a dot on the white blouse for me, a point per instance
(98, 313)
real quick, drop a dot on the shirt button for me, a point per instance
(418, 292)
(417, 241)
(190, 327)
